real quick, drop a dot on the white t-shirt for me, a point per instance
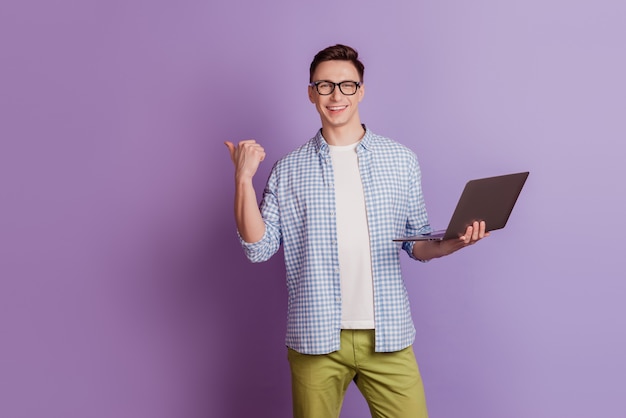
(353, 241)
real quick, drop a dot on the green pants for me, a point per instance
(390, 382)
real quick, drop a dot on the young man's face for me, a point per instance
(337, 109)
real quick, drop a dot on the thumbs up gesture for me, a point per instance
(246, 157)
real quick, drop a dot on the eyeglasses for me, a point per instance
(325, 87)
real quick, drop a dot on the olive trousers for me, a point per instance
(390, 382)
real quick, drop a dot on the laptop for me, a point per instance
(489, 199)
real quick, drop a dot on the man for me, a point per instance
(335, 204)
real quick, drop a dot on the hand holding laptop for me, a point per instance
(429, 249)
(473, 234)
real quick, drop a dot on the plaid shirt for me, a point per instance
(298, 208)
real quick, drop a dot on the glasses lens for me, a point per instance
(324, 88)
(348, 87)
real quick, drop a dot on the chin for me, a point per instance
(338, 121)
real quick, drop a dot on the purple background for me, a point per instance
(124, 291)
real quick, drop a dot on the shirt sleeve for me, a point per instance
(417, 221)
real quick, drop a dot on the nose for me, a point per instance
(336, 94)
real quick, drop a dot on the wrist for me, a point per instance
(442, 250)
(242, 180)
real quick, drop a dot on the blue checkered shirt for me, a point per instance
(298, 208)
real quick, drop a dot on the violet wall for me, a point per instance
(123, 289)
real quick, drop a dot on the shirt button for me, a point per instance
(336, 270)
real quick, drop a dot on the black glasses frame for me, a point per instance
(317, 83)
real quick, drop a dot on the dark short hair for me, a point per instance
(340, 53)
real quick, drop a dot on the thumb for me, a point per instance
(231, 149)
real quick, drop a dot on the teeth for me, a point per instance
(337, 107)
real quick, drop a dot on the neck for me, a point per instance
(343, 135)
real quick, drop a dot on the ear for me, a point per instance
(311, 94)
(361, 92)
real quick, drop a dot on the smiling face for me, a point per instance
(337, 110)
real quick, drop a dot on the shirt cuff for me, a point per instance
(251, 246)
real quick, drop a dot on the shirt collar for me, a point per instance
(321, 145)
